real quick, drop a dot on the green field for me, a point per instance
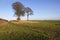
(43, 30)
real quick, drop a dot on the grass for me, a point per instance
(44, 30)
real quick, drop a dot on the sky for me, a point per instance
(42, 9)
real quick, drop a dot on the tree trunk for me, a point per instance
(27, 17)
(18, 18)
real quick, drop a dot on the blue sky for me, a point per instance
(42, 9)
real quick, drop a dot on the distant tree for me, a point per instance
(29, 12)
(19, 9)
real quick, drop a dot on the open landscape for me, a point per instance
(29, 19)
(30, 30)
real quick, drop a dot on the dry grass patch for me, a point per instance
(3, 22)
(23, 21)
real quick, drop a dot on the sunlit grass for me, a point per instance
(30, 31)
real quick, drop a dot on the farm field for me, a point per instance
(30, 30)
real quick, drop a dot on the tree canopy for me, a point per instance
(19, 9)
(29, 12)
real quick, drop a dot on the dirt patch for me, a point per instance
(3, 22)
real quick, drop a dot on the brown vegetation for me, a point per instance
(3, 22)
(22, 21)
